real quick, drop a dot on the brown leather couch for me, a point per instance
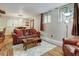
(19, 34)
(70, 47)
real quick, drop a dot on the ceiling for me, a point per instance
(28, 8)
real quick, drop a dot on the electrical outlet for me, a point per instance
(51, 35)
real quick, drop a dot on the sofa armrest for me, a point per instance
(14, 35)
(38, 33)
(67, 51)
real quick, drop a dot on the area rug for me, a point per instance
(57, 51)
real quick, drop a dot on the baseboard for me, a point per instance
(52, 41)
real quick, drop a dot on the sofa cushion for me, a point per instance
(26, 32)
(33, 31)
(19, 32)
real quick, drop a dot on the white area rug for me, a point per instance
(35, 51)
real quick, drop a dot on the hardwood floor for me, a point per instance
(6, 47)
(57, 51)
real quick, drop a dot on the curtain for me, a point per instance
(41, 23)
(75, 28)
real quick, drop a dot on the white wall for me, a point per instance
(3, 21)
(57, 28)
(37, 22)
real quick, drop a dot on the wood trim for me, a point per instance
(41, 24)
(2, 12)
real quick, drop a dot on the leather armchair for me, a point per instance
(70, 47)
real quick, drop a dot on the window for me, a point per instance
(47, 18)
(66, 13)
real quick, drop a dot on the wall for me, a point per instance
(55, 27)
(3, 21)
(37, 22)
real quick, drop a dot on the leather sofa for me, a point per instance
(70, 47)
(19, 34)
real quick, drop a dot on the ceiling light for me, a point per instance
(20, 15)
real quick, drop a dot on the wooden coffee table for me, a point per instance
(34, 41)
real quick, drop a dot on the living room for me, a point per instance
(38, 29)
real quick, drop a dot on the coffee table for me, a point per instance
(34, 41)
